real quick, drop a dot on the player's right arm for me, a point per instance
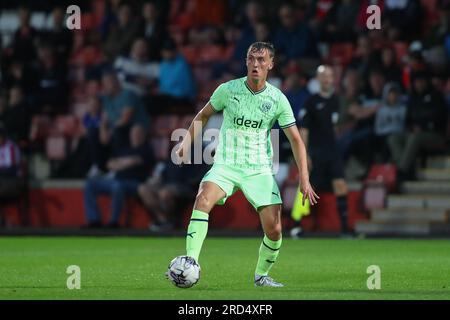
(202, 118)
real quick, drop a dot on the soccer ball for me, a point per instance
(183, 271)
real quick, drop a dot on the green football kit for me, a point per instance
(243, 160)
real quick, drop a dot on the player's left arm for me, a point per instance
(299, 151)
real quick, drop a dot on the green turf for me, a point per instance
(133, 268)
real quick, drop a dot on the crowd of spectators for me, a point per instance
(134, 63)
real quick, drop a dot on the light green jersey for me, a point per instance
(248, 118)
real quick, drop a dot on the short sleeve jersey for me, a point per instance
(248, 118)
(319, 115)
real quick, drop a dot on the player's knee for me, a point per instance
(274, 232)
(202, 202)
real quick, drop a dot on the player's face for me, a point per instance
(258, 64)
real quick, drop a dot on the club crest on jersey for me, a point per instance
(265, 107)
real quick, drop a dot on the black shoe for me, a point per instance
(93, 225)
(112, 225)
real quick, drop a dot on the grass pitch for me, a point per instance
(133, 268)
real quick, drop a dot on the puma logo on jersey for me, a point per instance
(241, 121)
(234, 98)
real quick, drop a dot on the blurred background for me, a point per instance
(86, 115)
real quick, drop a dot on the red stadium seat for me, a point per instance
(385, 174)
(228, 52)
(432, 12)
(374, 196)
(190, 53)
(211, 53)
(67, 125)
(401, 50)
(341, 53)
(88, 21)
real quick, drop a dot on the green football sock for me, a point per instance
(197, 230)
(268, 253)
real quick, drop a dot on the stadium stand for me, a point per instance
(208, 34)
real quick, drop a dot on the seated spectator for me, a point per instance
(400, 16)
(293, 39)
(91, 127)
(20, 74)
(426, 122)
(109, 18)
(168, 191)
(357, 142)
(252, 13)
(337, 24)
(127, 169)
(121, 35)
(122, 109)
(88, 53)
(415, 62)
(58, 36)
(258, 31)
(17, 117)
(436, 35)
(252, 16)
(153, 29)
(10, 171)
(136, 72)
(349, 99)
(389, 66)
(24, 40)
(52, 89)
(176, 83)
(389, 119)
(366, 59)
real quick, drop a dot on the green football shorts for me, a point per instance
(260, 189)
